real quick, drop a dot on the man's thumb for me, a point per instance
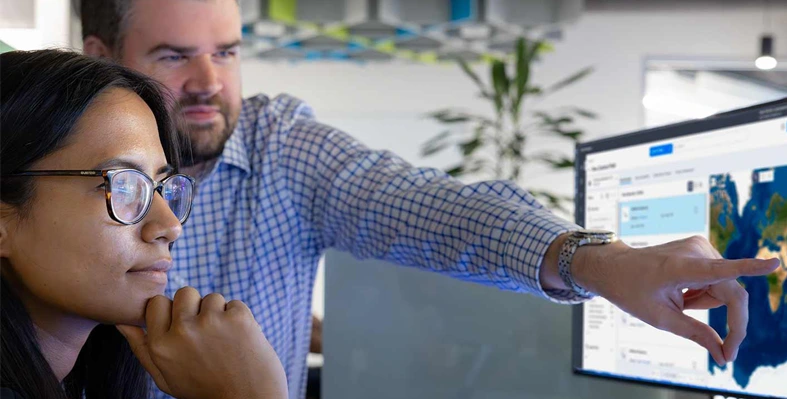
(697, 331)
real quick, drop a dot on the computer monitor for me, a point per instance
(723, 178)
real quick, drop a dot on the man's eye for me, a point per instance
(172, 58)
(225, 54)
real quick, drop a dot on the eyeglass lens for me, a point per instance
(131, 195)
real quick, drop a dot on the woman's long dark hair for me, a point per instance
(42, 95)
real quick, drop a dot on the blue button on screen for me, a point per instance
(659, 150)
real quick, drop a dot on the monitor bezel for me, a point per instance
(760, 112)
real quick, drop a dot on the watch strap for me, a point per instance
(567, 251)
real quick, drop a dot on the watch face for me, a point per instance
(594, 237)
(595, 233)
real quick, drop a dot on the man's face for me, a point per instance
(192, 47)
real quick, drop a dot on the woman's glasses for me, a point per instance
(129, 192)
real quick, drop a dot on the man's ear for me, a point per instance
(95, 47)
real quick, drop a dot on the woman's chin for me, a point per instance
(135, 315)
(137, 319)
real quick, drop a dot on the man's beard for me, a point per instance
(203, 142)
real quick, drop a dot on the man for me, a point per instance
(277, 188)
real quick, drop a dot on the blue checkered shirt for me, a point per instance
(286, 188)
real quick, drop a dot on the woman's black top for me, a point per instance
(6, 393)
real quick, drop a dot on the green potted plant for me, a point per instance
(496, 146)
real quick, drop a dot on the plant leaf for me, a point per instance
(516, 145)
(427, 151)
(573, 135)
(554, 123)
(438, 138)
(539, 47)
(476, 166)
(570, 80)
(473, 76)
(436, 143)
(468, 147)
(523, 60)
(450, 116)
(556, 162)
(500, 83)
(515, 173)
(456, 171)
(499, 77)
(585, 113)
(543, 48)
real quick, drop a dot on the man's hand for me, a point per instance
(656, 284)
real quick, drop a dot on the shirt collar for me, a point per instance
(235, 151)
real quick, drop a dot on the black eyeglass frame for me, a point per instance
(108, 175)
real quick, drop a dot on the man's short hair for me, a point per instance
(105, 19)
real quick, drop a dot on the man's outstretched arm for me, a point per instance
(374, 204)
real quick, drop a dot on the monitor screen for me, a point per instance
(723, 178)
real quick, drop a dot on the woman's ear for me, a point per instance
(6, 219)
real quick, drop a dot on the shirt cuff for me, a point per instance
(525, 250)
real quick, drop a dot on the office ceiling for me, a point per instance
(419, 30)
(653, 5)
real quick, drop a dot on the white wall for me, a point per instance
(44, 24)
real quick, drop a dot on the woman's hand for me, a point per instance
(199, 348)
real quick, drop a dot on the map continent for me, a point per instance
(748, 219)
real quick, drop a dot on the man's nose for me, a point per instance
(203, 79)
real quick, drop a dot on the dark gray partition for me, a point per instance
(394, 332)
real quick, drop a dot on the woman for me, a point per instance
(90, 205)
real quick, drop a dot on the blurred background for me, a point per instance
(401, 75)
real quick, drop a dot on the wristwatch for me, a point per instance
(575, 240)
